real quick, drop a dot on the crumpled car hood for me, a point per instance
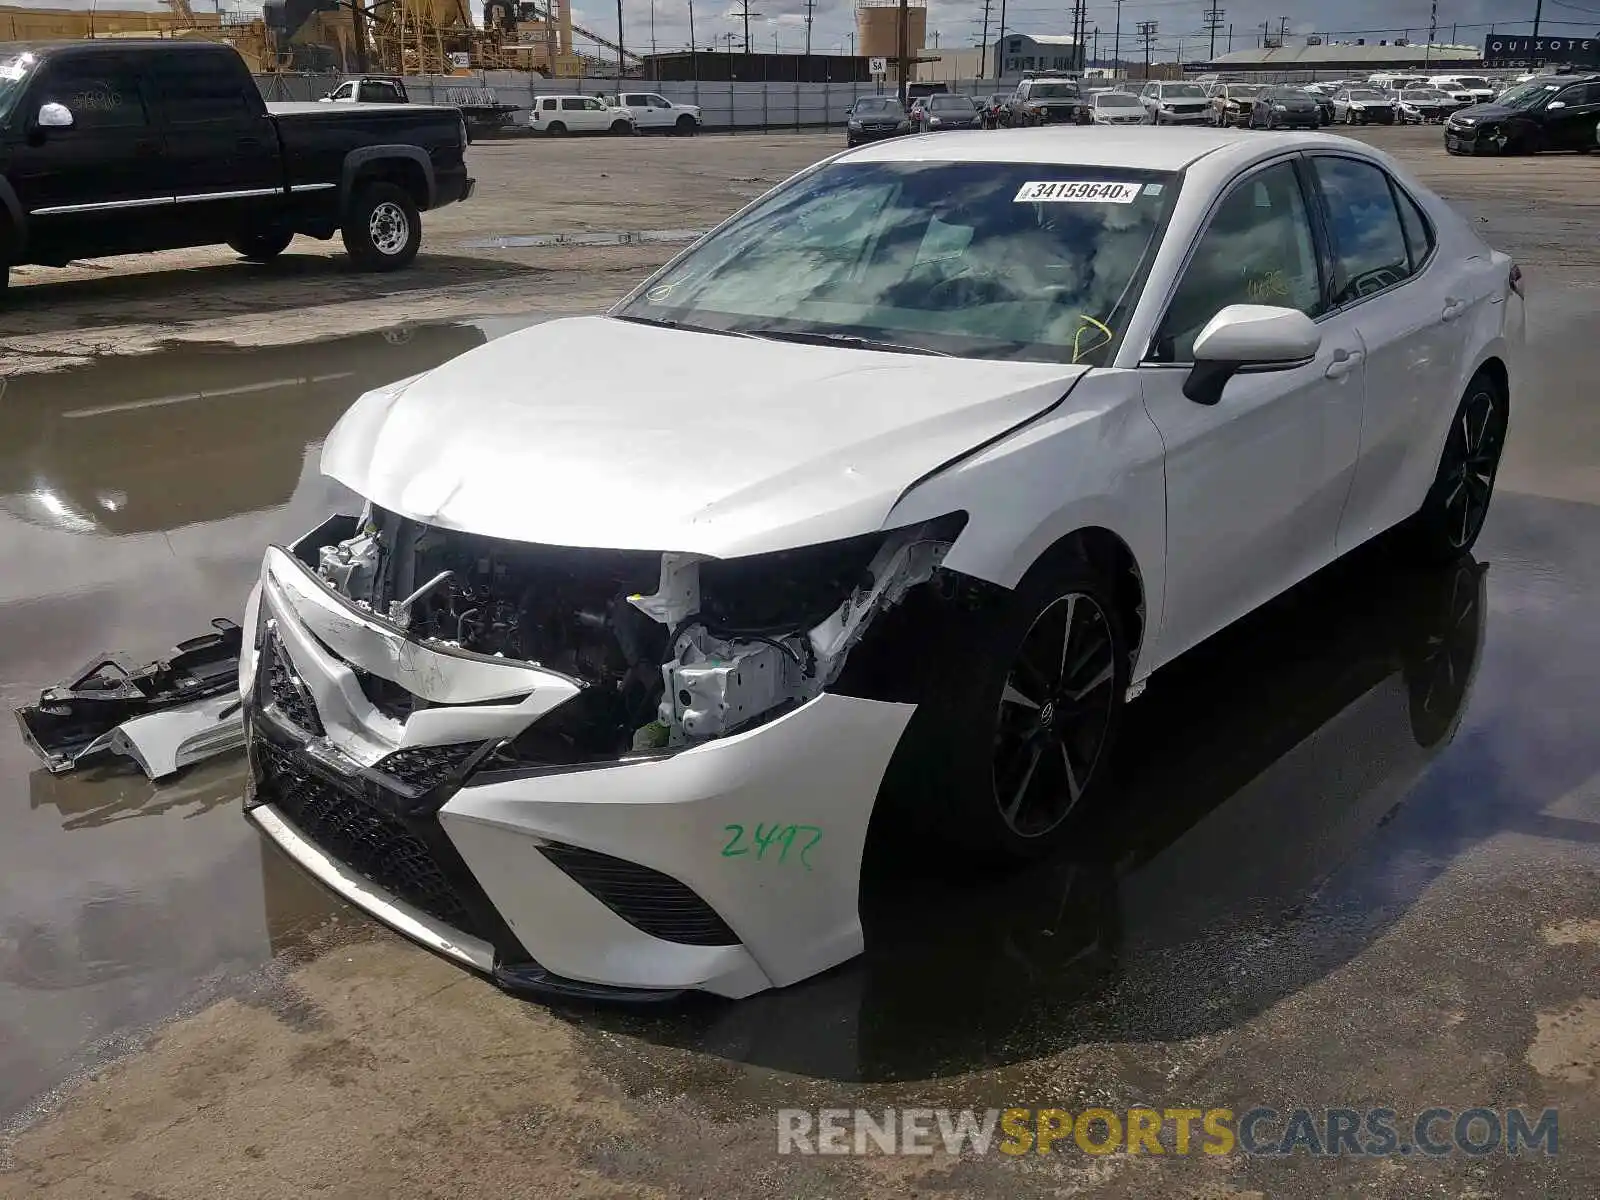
(593, 431)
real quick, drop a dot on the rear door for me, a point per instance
(1572, 126)
(222, 148)
(99, 186)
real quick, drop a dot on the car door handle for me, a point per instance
(1344, 361)
(1453, 308)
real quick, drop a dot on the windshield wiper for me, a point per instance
(667, 323)
(847, 341)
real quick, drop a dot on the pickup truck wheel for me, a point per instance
(260, 247)
(620, 127)
(687, 126)
(382, 229)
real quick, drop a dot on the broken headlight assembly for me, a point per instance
(670, 649)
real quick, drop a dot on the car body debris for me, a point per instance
(166, 715)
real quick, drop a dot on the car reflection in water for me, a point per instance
(147, 443)
(1255, 769)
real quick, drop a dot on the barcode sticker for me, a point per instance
(1077, 192)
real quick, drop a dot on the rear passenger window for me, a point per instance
(101, 95)
(1419, 234)
(573, 105)
(1369, 243)
(197, 88)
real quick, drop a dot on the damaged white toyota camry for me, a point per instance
(889, 491)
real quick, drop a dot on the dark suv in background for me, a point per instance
(1556, 112)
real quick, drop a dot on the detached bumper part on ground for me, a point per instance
(728, 865)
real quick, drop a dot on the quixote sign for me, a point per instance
(1541, 49)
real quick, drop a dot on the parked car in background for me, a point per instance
(1555, 112)
(917, 91)
(1423, 106)
(1468, 89)
(653, 113)
(369, 90)
(1279, 107)
(874, 117)
(1231, 104)
(1387, 81)
(1045, 101)
(1363, 106)
(942, 113)
(1116, 108)
(1173, 103)
(994, 109)
(558, 116)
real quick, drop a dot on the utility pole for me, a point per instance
(619, 43)
(1538, 11)
(1265, 27)
(745, 13)
(1433, 29)
(1116, 41)
(810, 10)
(358, 26)
(694, 46)
(1147, 35)
(1213, 22)
(983, 44)
(1283, 31)
(652, 28)
(904, 55)
(1000, 58)
(1097, 45)
(1230, 38)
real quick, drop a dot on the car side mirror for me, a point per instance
(1249, 338)
(1555, 104)
(55, 116)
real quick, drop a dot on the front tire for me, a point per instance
(1452, 515)
(1018, 745)
(619, 128)
(260, 247)
(687, 126)
(382, 229)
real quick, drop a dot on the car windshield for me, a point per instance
(14, 69)
(953, 103)
(1365, 94)
(1422, 94)
(1184, 91)
(1474, 82)
(878, 106)
(1529, 95)
(976, 259)
(1117, 100)
(1046, 91)
(1243, 89)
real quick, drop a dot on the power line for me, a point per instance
(1147, 35)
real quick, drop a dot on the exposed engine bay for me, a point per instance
(670, 648)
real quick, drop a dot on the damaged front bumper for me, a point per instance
(729, 864)
(165, 715)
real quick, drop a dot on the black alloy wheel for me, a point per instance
(1453, 514)
(1054, 715)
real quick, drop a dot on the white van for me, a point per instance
(557, 116)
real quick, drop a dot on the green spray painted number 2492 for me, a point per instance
(779, 839)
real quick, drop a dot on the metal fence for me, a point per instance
(724, 106)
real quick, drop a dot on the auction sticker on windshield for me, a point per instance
(1077, 192)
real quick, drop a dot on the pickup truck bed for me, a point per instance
(118, 147)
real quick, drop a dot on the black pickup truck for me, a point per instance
(120, 147)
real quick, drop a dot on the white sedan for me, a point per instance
(879, 503)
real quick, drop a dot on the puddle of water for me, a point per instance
(136, 498)
(631, 237)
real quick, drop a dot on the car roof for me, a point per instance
(1158, 148)
(58, 46)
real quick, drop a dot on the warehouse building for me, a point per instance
(1329, 59)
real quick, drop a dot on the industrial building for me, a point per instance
(1307, 61)
(1019, 52)
(703, 67)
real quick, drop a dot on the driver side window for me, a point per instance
(1369, 243)
(1258, 249)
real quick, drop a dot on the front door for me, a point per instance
(1572, 126)
(98, 186)
(1255, 483)
(221, 147)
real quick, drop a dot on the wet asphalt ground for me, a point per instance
(1357, 863)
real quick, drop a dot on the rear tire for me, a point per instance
(382, 228)
(555, 129)
(260, 247)
(1006, 758)
(1452, 515)
(619, 128)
